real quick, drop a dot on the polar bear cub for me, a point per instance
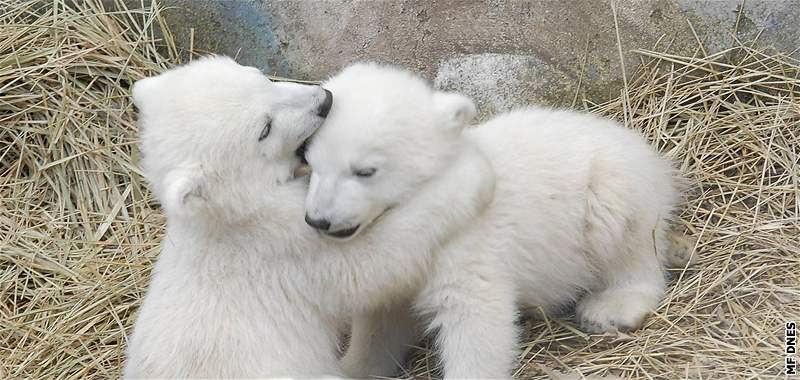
(580, 214)
(243, 287)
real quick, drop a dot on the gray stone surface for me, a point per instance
(503, 53)
(501, 82)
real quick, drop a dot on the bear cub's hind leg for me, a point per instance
(632, 287)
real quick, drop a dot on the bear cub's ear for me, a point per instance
(455, 110)
(145, 90)
(183, 191)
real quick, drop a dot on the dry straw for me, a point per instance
(79, 230)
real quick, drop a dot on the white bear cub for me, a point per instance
(243, 287)
(580, 214)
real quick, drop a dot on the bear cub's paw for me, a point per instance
(609, 310)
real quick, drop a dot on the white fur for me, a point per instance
(580, 214)
(244, 288)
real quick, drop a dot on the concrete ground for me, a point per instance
(501, 53)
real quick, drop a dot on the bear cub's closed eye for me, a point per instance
(364, 173)
(265, 131)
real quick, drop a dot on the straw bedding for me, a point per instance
(79, 230)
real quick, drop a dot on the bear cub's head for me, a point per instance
(388, 134)
(217, 136)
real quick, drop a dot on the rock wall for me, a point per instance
(502, 53)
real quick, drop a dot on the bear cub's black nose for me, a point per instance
(320, 224)
(325, 107)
